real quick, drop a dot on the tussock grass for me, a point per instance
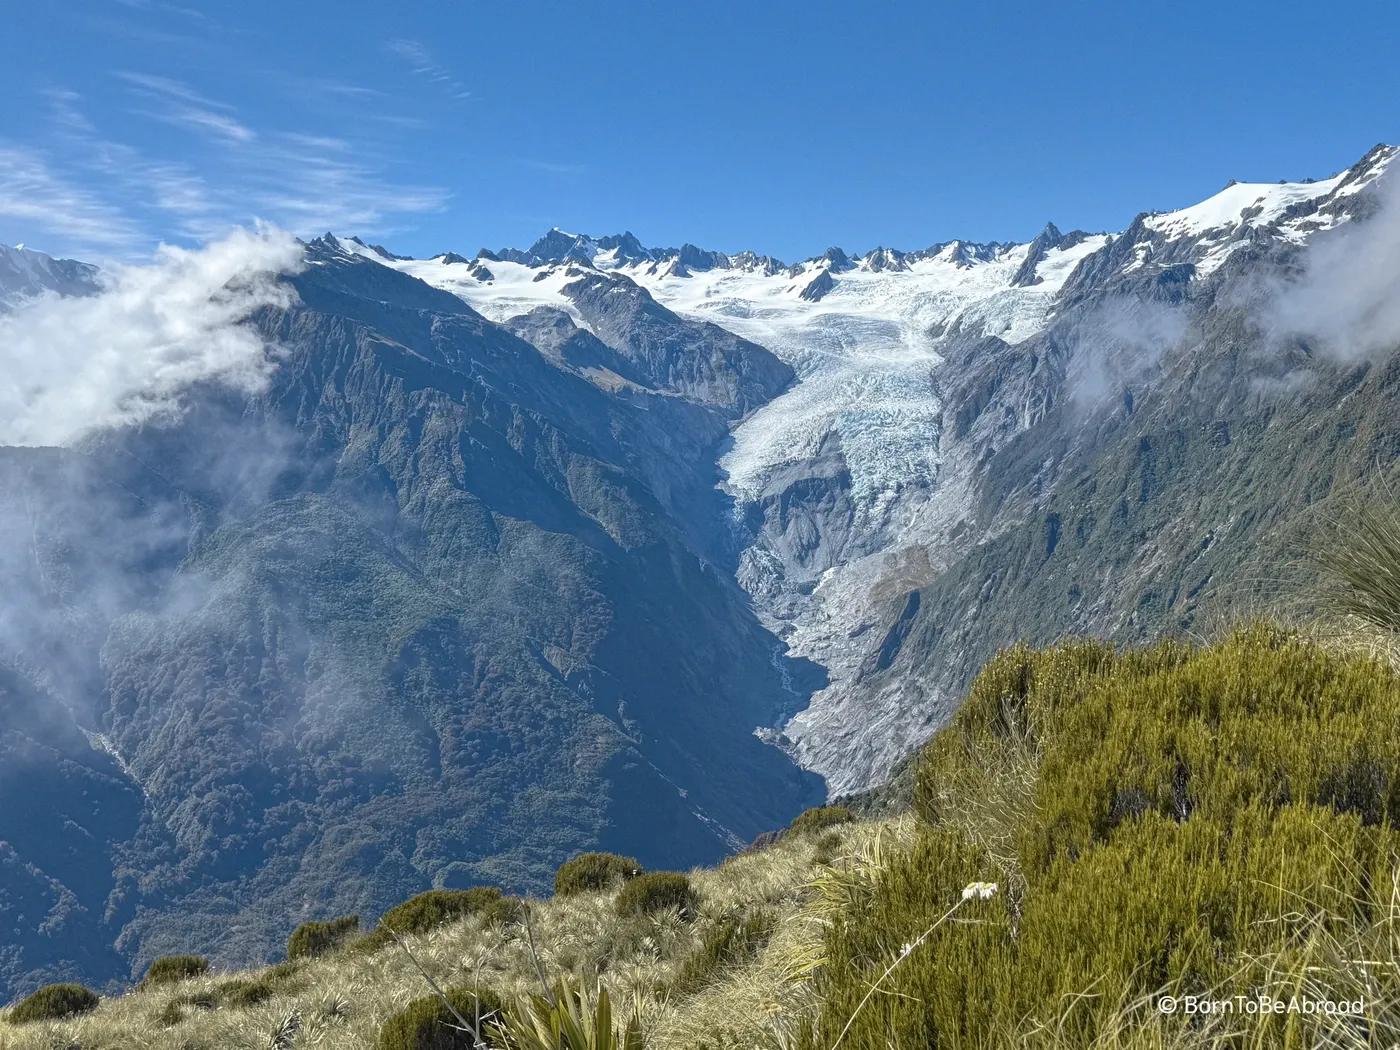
(344, 998)
(1360, 556)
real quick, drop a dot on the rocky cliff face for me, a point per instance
(1153, 461)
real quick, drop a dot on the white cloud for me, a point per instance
(420, 62)
(1347, 298)
(89, 194)
(126, 355)
(1118, 343)
(182, 106)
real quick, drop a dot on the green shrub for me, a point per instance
(174, 1012)
(314, 938)
(730, 942)
(594, 873)
(1177, 817)
(54, 1002)
(819, 818)
(244, 992)
(428, 911)
(656, 891)
(505, 910)
(427, 1024)
(171, 968)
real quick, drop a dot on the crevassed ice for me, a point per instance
(866, 355)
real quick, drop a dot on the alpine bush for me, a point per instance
(171, 968)
(315, 938)
(434, 908)
(54, 1002)
(1179, 817)
(427, 1023)
(657, 891)
(594, 873)
(819, 818)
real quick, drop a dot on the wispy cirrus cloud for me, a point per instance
(335, 187)
(33, 193)
(176, 103)
(549, 167)
(421, 63)
(87, 191)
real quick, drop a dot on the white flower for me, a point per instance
(905, 950)
(982, 890)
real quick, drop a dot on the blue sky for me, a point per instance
(432, 126)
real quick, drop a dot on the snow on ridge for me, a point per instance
(865, 352)
(865, 340)
(1267, 203)
(27, 261)
(1255, 203)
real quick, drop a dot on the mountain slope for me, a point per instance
(419, 619)
(515, 554)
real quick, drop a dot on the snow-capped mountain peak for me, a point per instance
(26, 273)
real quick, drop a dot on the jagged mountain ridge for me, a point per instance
(25, 273)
